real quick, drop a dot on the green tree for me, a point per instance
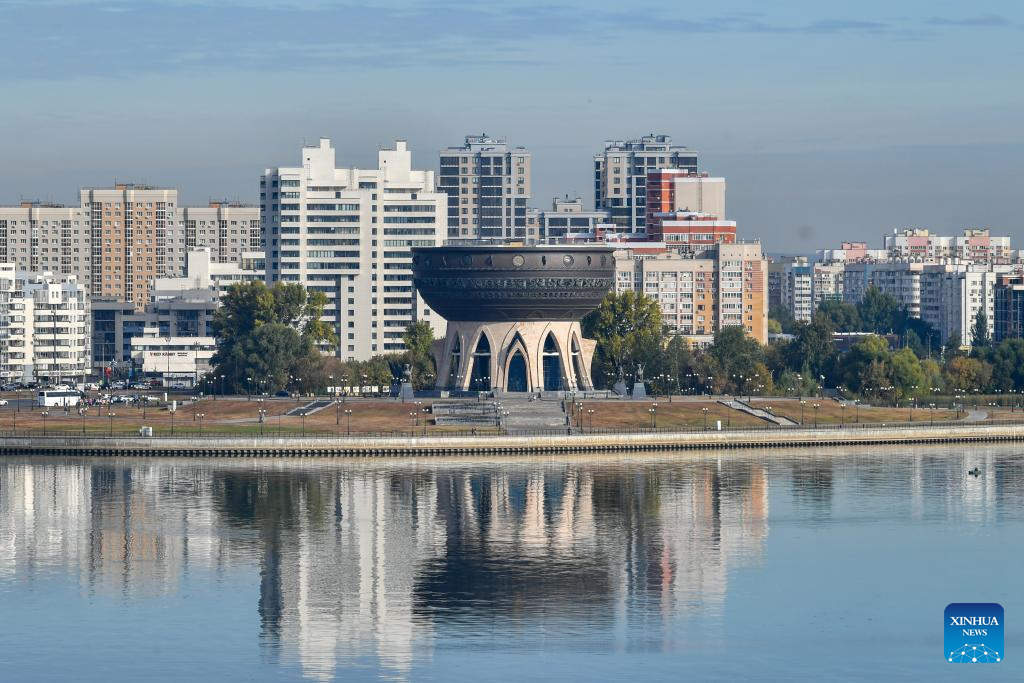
(864, 366)
(1007, 365)
(906, 374)
(979, 331)
(932, 377)
(878, 311)
(418, 337)
(627, 328)
(736, 357)
(843, 317)
(963, 374)
(812, 348)
(259, 345)
(783, 317)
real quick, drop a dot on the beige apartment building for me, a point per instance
(129, 225)
(723, 286)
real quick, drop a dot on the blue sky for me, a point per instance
(831, 120)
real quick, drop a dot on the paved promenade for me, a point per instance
(823, 436)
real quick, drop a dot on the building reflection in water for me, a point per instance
(366, 564)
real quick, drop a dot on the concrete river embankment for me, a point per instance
(356, 446)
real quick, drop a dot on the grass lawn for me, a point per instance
(832, 412)
(232, 417)
(680, 415)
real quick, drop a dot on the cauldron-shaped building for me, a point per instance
(513, 313)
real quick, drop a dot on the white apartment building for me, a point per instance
(900, 280)
(791, 285)
(973, 246)
(725, 285)
(827, 284)
(952, 295)
(40, 237)
(44, 335)
(347, 232)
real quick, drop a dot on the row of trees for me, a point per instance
(270, 339)
(630, 334)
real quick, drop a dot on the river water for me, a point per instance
(733, 565)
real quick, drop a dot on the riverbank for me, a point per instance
(360, 446)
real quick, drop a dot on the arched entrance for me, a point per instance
(517, 373)
(480, 375)
(552, 365)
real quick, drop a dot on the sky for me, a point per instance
(830, 120)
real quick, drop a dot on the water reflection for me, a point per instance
(375, 564)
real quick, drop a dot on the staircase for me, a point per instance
(536, 414)
(310, 408)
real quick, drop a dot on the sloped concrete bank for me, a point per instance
(244, 447)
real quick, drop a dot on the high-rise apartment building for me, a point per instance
(228, 229)
(723, 286)
(901, 280)
(42, 237)
(347, 232)
(952, 295)
(620, 175)
(790, 285)
(129, 225)
(488, 187)
(43, 327)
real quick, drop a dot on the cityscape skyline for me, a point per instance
(817, 116)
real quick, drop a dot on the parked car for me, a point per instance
(9, 387)
(3, 401)
(283, 394)
(91, 386)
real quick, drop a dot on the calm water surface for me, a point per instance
(789, 565)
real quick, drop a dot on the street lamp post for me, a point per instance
(200, 416)
(45, 414)
(111, 416)
(590, 414)
(171, 410)
(263, 417)
(705, 411)
(803, 404)
(654, 415)
(348, 421)
(816, 406)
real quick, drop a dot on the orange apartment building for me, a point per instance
(129, 225)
